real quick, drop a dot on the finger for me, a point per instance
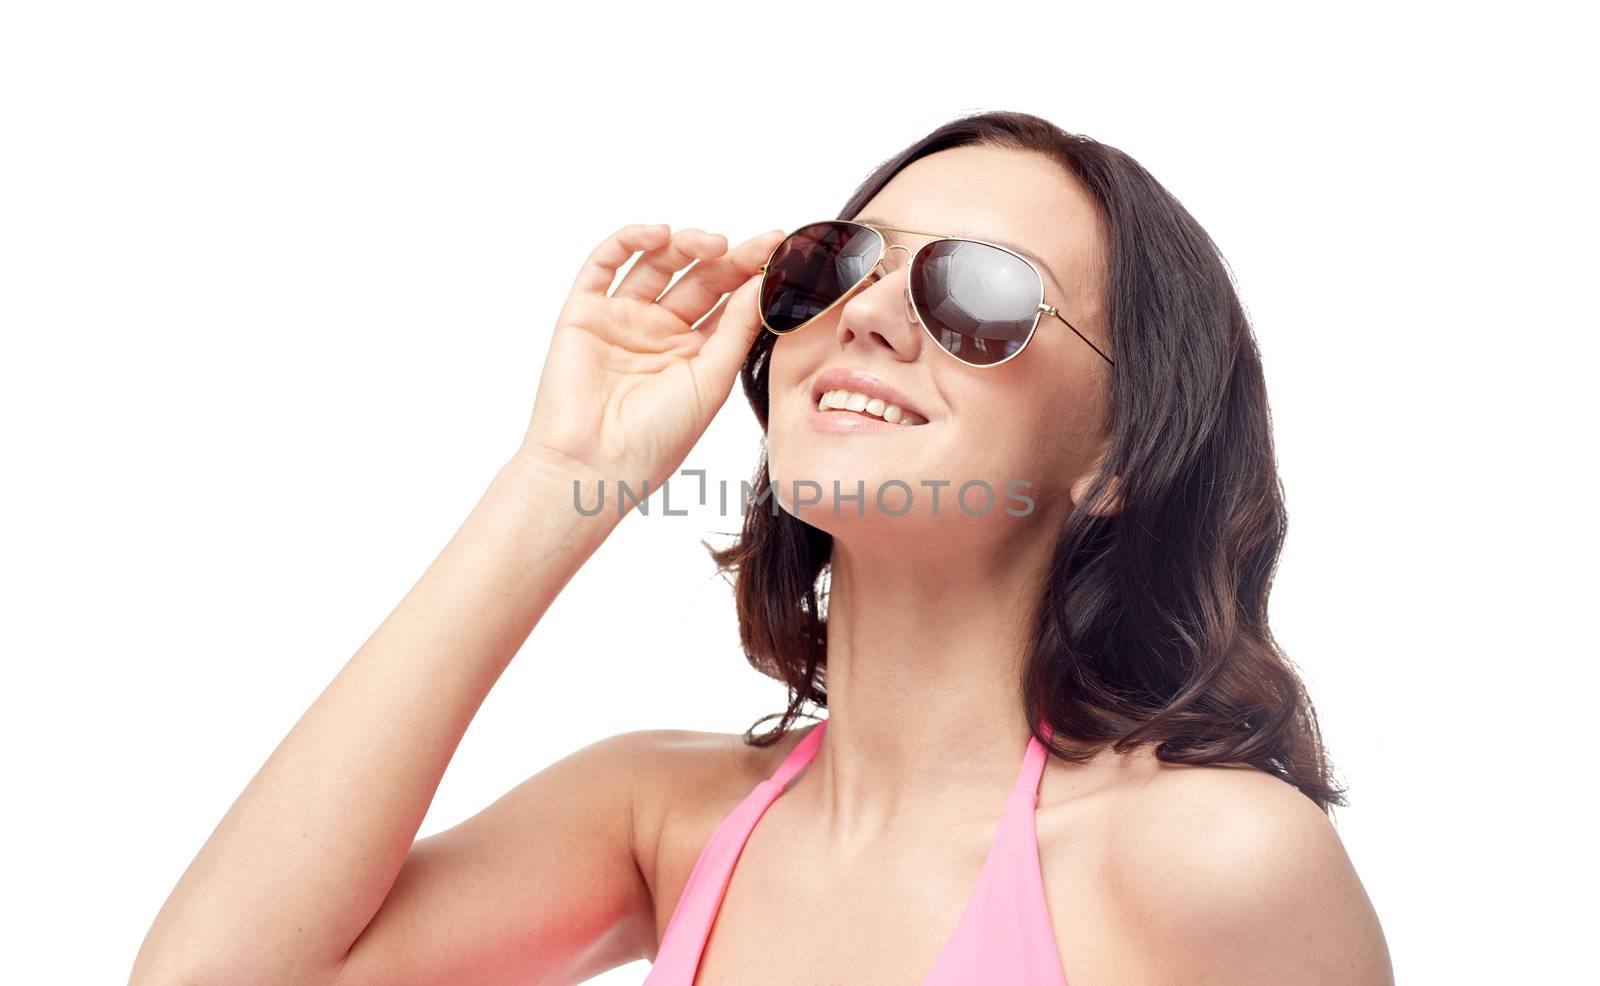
(706, 282)
(600, 268)
(654, 268)
(734, 328)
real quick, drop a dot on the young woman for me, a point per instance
(1060, 742)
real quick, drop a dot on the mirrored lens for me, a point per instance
(813, 268)
(980, 302)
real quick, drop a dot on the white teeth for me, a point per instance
(876, 406)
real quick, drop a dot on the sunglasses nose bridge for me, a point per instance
(896, 246)
(911, 308)
(892, 246)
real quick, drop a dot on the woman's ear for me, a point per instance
(1110, 500)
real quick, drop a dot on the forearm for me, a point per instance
(306, 855)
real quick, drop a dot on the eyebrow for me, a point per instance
(973, 234)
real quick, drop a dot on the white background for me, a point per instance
(276, 282)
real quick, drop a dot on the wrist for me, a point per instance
(535, 467)
(553, 488)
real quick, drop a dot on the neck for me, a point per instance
(925, 654)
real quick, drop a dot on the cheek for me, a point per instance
(793, 358)
(790, 443)
(1067, 435)
(1000, 442)
(1028, 428)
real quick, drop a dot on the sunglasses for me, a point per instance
(980, 301)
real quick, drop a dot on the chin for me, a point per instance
(872, 481)
(895, 508)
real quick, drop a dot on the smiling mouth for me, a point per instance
(851, 402)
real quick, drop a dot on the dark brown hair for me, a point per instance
(1153, 623)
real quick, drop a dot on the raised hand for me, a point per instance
(631, 380)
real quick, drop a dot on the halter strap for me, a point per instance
(1033, 761)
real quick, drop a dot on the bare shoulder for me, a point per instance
(669, 769)
(1228, 874)
(677, 769)
(684, 783)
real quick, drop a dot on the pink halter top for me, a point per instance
(1004, 934)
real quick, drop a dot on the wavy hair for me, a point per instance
(1153, 623)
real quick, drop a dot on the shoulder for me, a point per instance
(669, 768)
(1229, 874)
(682, 783)
(685, 765)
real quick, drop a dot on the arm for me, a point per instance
(307, 853)
(311, 876)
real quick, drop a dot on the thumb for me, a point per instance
(733, 329)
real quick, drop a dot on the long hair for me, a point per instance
(1153, 623)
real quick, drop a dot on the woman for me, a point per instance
(1060, 744)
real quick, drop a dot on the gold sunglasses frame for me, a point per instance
(884, 246)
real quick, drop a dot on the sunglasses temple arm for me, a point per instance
(1080, 335)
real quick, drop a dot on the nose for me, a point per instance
(880, 314)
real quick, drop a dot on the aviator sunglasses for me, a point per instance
(980, 301)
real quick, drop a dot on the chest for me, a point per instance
(860, 921)
(789, 916)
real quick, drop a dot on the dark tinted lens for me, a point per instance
(980, 302)
(812, 269)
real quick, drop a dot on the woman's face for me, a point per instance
(1039, 418)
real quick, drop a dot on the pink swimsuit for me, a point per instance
(1004, 935)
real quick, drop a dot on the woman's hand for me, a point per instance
(630, 382)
